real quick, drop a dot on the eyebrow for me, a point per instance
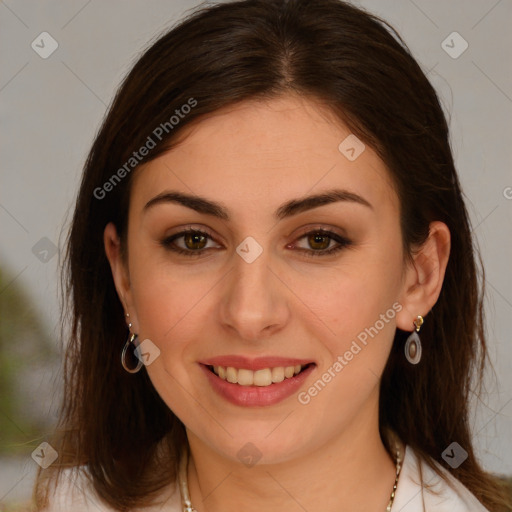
(288, 209)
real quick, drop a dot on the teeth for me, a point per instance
(278, 374)
(264, 377)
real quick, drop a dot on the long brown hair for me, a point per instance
(358, 66)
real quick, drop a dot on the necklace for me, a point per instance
(187, 505)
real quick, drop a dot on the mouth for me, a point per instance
(261, 387)
(265, 377)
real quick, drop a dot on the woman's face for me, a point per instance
(258, 283)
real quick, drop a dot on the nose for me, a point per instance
(254, 304)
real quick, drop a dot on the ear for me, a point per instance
(120, 273)
(424, 276)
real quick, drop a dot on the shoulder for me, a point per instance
(74, 491)
(433, 493)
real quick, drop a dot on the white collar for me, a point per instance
(411, 496)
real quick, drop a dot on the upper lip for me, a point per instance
(257, 363)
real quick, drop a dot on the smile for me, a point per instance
(262, 387)
(263, 377)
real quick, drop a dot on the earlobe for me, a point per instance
(424, 276)
(112, 246)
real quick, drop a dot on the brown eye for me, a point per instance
(191, 242)
(194, 241)
(318, 241)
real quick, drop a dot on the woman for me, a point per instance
(275, 300)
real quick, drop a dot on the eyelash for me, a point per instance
(167, 243)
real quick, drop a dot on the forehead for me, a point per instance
(255, 154)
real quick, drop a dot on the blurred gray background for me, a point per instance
(52, 105)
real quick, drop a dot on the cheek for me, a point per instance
(352, 296)
(359, 305)
(164, 302)
(360, 309)
(173, 304)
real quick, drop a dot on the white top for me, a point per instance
(409, 496)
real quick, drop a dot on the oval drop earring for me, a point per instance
(131, 342)
(413, 343)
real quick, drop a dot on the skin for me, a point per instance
(253, 157)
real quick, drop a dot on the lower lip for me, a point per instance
(256, 395)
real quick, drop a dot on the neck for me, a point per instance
(333, 477)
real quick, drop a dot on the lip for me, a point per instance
(254, 396)
(258, 363)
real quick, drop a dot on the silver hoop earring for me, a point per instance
(131, 341)
(413, 343)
